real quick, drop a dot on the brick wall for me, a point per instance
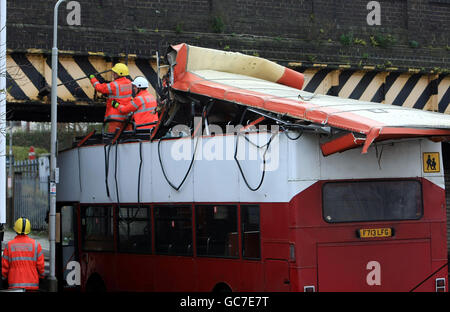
(286, 30)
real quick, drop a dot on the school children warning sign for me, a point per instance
(431, 162)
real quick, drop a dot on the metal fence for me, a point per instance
(31, 198)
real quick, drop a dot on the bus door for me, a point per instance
(68, 251)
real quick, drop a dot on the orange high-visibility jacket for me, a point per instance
(143, 105)
(119, 90)
(23, 263)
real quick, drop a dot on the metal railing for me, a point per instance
(31, 198)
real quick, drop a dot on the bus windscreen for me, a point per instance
(372, 201)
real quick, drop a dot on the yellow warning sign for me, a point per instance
(431, 162)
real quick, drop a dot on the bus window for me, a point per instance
(134, 230)
(216, 231)
(250, 231)
(97, 228)
(173, 230)
(372, 201)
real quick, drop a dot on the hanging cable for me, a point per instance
(307, 99)
(378, 156)
(79, 170)
(115, 175)
(267, 145)
(285, 131)
(107, 168)
(116, 143)
(139, 175)
(131, 219)
(139, 185)
(176, 188)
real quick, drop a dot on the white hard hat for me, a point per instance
(140, 82)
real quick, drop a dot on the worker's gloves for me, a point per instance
(91, 76)
(115, 104)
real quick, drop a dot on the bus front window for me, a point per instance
(372, 201)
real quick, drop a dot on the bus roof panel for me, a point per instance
(271, 92)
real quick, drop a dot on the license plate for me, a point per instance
(374, 233)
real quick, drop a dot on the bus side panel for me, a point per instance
(306, 210)
(435, 210)
(102, 264)
(275, 231)
(155, 273)
(434, 204)
(374, 265)
(303, 277)
(174, 273)
(135, 272)
(212, 271)
(253, 279)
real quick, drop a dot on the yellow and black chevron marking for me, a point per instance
(421, 91)
(27, 74)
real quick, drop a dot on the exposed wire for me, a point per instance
(176, 188)
(285, 131)
(139, 175)
(131, 219)
(107, 168)
(115, 175)
(307, 99)
(107, 154)
(379, 155)
(117, 185)
(79, 170)
(267, 145)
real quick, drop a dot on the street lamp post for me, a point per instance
(3, 110)
(2, 118)
(53, 283)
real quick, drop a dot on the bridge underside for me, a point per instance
(29, 85)
(29, 75)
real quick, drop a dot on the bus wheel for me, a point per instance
(95, 284)
(222, 288)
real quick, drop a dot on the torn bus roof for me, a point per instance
(262, 84)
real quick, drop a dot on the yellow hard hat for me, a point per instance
(120, 69)
(22, 226)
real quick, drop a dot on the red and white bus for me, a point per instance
(298, 208)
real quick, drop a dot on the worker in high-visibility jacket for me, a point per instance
(23, 259)
(119, 90)
(143, 105)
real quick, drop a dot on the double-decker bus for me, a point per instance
(332, 195)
